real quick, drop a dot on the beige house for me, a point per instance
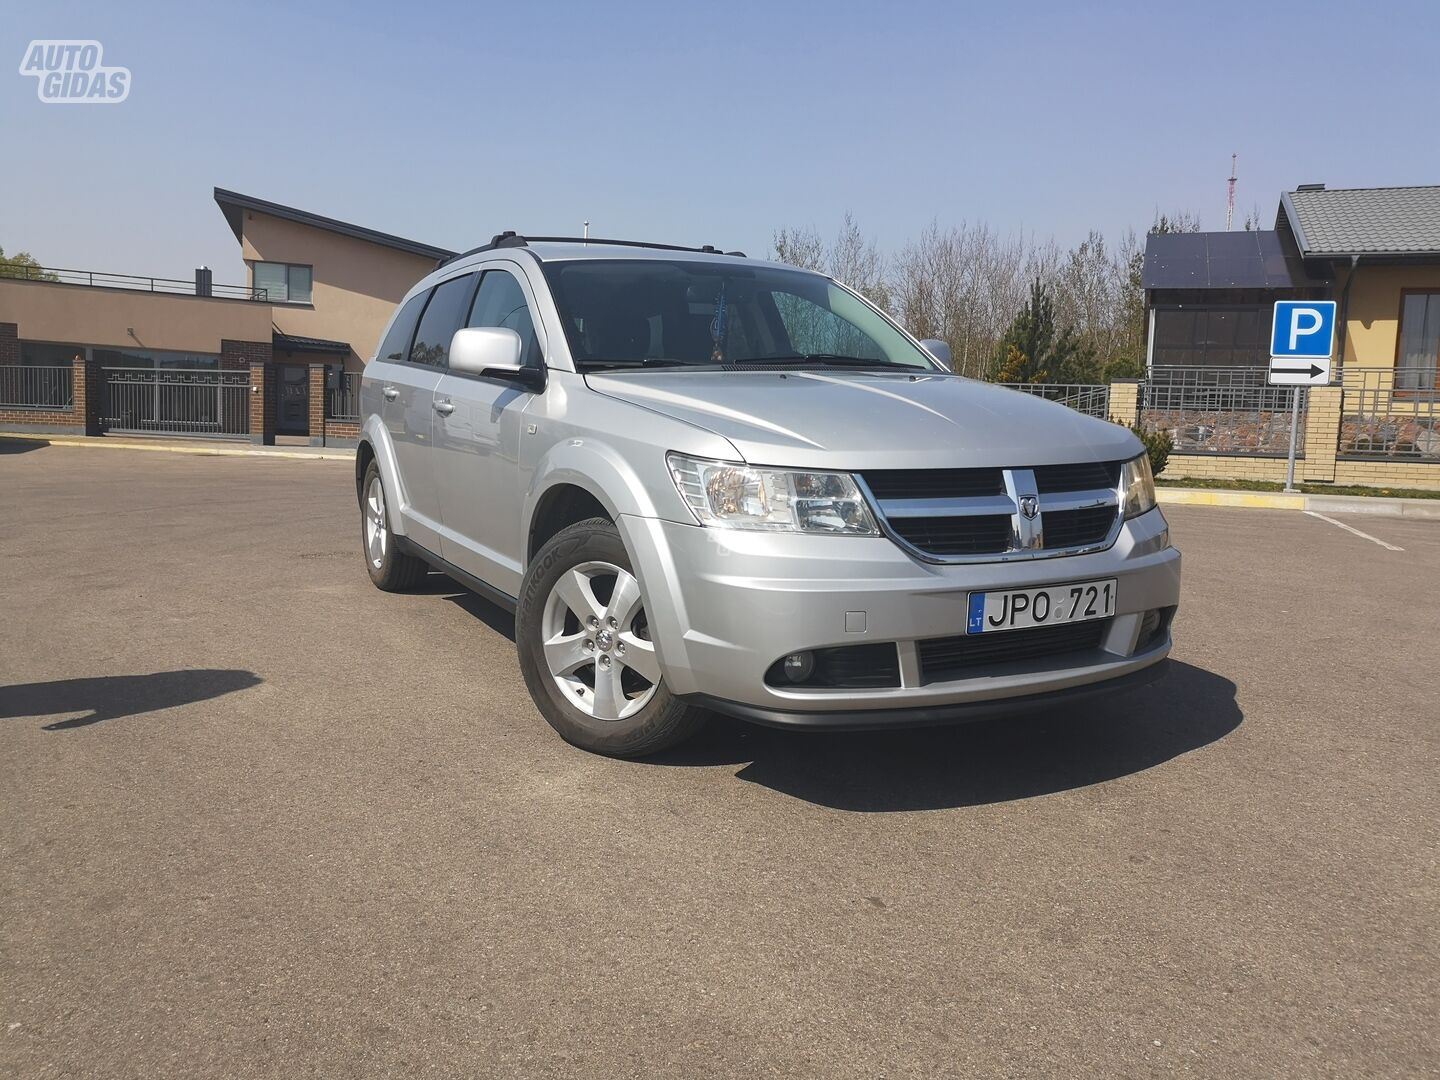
(1210, 297)
(122, 352)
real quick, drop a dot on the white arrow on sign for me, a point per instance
(1289, 372)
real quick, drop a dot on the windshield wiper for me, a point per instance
(596, 364)
(835, 359)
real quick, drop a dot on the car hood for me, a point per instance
(860, 420)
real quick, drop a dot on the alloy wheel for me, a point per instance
(597, 642)
(376, 534)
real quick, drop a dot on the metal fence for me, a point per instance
(101, 279)
(1220, 410)
(1092, 399)
(342, 401)
(176, 402)
(1391, 413)
(28, 386)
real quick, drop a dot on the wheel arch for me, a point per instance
(575, 478)
(374, 445)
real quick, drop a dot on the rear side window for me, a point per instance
(397, 340)
(501, 302)
(443, 316)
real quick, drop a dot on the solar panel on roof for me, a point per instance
(1221, 260)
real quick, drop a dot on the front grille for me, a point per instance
(1078, 528)
(1082, 476)
(935, 483)
(943, 659)
(989, 534)
(964, 514)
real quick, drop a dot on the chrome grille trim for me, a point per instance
(1027, 534)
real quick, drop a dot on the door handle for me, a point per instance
(390, 393)
(444, 408)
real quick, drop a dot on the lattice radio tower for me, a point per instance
(1230, 199)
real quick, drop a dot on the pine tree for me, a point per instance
(1033, 349)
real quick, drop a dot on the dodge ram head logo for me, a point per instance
(1029, 506)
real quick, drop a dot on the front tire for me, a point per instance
(390, 568)
(586, 651)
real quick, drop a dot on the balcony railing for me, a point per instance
(1391, 413)
(29, 386)
(103, 280)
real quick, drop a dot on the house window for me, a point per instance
(284, 283)
(1419, 355)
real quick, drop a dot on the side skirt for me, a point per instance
(450, 570)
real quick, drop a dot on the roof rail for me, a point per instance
(511, 238)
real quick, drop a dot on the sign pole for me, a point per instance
(1295, 392)
(1302, 343)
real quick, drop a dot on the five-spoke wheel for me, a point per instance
(597, 641)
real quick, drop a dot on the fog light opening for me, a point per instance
(798, 666)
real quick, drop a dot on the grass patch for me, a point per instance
(1308, 489)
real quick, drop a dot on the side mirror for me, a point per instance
(940, 351)
(492, 351)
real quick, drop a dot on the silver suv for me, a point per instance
(708, 483)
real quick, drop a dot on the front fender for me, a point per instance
(615, 481)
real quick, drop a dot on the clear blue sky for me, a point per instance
(706, 123)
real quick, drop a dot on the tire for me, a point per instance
(597, 683)
(390, 568)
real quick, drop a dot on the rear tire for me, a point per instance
(390, 568)
(586, 652)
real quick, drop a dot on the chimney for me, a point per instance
(203, 281)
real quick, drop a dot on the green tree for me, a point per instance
(1035, 349)
(23, 265)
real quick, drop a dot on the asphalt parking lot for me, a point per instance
(259, 819)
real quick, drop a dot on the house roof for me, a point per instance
(232, 204)
(1222, 260)
(1364, 221)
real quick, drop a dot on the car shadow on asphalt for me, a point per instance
(989, 761)
(110, 697)
(21, 446)
(491, 614)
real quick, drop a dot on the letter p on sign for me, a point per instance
(1303, 329)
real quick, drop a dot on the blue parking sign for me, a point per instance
(1303, 329)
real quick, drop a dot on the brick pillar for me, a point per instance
(1125, 401)
(1322, 432)
(89, 379)
(9, 343)
(317, 404)
(262, 403)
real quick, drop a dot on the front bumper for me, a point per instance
(725, 605)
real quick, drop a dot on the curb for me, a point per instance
(221, 450)
(1418, 509)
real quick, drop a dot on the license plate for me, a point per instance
(1051, 605)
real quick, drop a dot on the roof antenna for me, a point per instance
(1230, 202)
(587, 231)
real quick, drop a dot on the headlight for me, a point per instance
(729, 495)
(1138, 486)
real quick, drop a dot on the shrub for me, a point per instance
(1158, 445)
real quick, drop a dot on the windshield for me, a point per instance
(634, 313)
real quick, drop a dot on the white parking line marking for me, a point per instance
(1357, 532)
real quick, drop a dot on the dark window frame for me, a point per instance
(255, 263)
